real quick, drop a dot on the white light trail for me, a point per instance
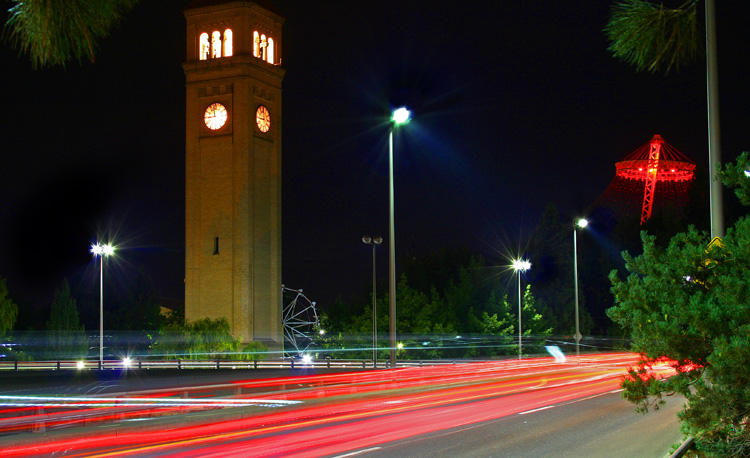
(52, 401)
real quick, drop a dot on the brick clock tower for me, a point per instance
(233, 167)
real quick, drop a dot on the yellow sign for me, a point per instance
(716, 242)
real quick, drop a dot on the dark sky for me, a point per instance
(516, 105)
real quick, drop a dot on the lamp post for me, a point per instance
(399, 116)
(716, 196)
(520, 265)
(101, 251)
(580, 223)
(374, 241)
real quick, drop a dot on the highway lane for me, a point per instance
(336, 414)
(599, 426)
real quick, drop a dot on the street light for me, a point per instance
(583, 222)
(374, 241)
(101, 251)
(399, 116)
(520, 265)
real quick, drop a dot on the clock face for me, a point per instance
(215, 116)
(263, 119)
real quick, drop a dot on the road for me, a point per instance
(599, 426)
(534, 407)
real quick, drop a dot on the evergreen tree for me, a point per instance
(55, 33)
(8, 310)
(551, 250)
(689, 303)
(534, 327)
(653, 37)
(464, 295)
(498, 322)
(552, 272)
(65, 334)
(438, 268)
(141, 310)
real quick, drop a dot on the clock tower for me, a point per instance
(233, 167)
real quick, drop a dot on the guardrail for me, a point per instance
(211, 364)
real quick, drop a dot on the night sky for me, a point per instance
(516, 105)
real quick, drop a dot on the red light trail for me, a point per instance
(336, 413)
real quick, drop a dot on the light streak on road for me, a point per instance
(55, 401)
(342, 413)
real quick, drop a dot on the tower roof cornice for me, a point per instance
(216, 5)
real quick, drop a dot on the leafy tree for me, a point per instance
(340, 314)
(254, 351)
(65, 333)
(173, 317)
(498, 327)
(331, 341)
(690, 304)
(8, 310)
(55, 33)
(420, 316)
(205, 339)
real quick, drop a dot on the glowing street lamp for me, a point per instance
(101, 251)
(374, 241)
(582, 223)
(399, 117)
(520, 265)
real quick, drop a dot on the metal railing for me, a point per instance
(210, 364)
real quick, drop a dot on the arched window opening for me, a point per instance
(269, 59)
(216, 45)
(263, 47)
(203, 47)
(228, 42)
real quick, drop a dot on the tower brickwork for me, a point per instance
(233, 167)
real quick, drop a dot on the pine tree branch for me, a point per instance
(55, 32)
(652, 37)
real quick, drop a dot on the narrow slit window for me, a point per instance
(216, 245)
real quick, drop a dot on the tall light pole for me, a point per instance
(583, 222)
(520, 265)
(399, 116)
(101, 251)
(374, 241)
(714, 142)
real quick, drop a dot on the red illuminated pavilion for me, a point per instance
(654, 175)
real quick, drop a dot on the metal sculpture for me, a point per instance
(654, 168)
(300, 319)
